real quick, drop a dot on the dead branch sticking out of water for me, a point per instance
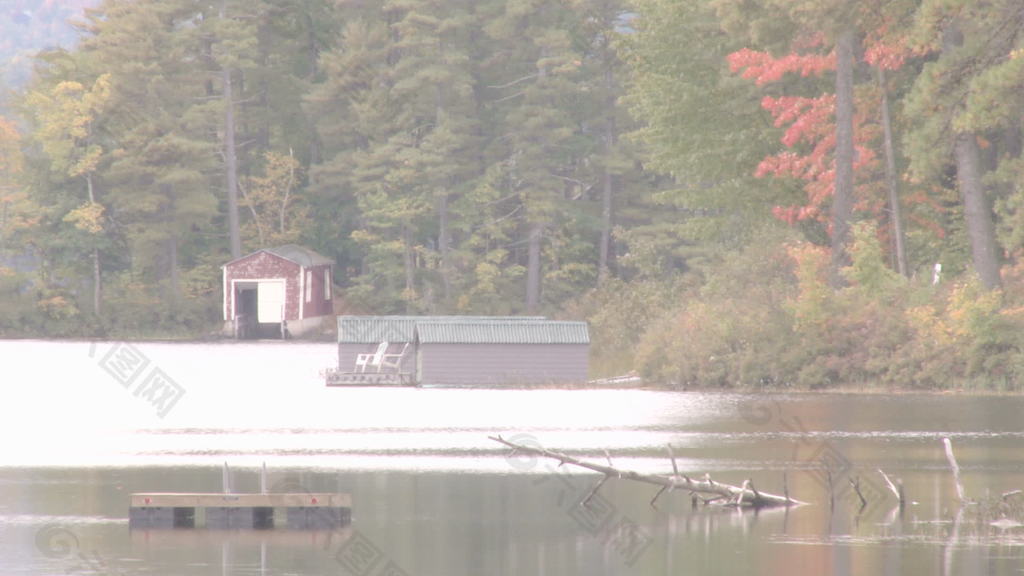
(897, 491)
(855, 482)
(955, 467)
(724, 494)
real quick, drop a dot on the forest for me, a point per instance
(734, 193)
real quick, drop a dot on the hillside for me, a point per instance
(27, 26)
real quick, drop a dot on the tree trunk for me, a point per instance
(3, 226)
(96, 282)
(171, 245)
(172, 273)
(313, 55)
(312, 48)
(607, 190)
(533, 268)
(606, 227)
(97, 287)
(890, 177)
(282, 215)
(977, 212)
(442, 210)
(231, 165)
(842, 199)
(410, 269)
(442, 245)
(260, 235)
(262, 88)
(230, 157)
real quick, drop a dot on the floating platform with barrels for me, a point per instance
(229, 510)
(189, 510)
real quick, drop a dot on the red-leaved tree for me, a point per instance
(809, 135)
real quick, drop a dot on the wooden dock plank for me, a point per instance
(220, 500)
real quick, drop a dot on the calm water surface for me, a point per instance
(433, 496)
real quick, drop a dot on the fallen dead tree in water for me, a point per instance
(723, 494)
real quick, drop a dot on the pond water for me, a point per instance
(87, 424)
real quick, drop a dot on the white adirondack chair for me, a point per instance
(364, 360)
(393, 360)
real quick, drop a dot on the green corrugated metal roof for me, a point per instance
(503, 332)
(374, 329)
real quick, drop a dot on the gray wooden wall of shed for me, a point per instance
(476, 364)
(347, 355)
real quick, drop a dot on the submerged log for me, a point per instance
(730, 495)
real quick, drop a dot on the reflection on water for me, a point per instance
(433, 496)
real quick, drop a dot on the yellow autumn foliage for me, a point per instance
(87, 217)
(811, 306)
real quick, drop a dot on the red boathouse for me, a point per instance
(277, 292)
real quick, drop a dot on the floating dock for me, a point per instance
(317, 511)
(176, 539)
(339, 378)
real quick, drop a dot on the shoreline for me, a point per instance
(622, 382)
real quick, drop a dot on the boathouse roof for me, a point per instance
(498, 331)
(293, 253)
(460, 330)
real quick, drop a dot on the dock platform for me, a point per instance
(220, 510)
(338, 378)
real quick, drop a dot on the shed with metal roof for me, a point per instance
(470, 350)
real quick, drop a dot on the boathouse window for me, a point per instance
(327, 284)
(309, 285)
